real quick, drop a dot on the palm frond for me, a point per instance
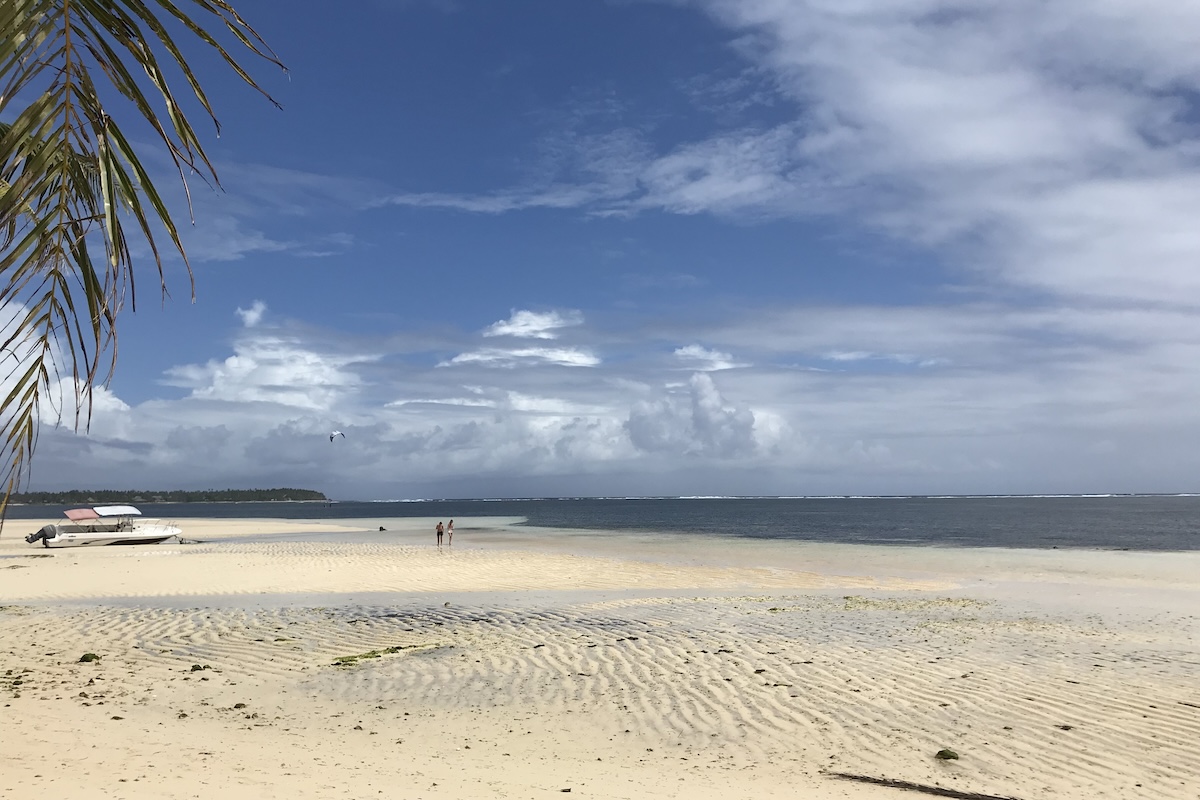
(70, 181)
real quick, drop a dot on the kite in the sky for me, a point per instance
(336, 434)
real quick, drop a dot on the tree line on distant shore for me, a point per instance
(115, 496)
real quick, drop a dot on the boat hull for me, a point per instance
(150, 534)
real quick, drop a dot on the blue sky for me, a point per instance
(544, 247)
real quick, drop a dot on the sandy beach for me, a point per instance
(283, 659)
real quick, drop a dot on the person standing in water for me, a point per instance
(450, 533)
(439, 530)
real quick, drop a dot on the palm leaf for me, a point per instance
(70, 181)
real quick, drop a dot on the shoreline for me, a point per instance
(1140, 523)
(615, 665)
(705, 558)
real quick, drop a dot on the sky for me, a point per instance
(678, 247)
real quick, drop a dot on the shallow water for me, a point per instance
(1143, 522)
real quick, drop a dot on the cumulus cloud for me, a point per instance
(700, 422)
(101, 412)
(1021, 396)
(272, 367)
(63, 400)
(253, 315)
(534, 325)
(19, 352)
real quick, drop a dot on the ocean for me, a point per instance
(1117, 522)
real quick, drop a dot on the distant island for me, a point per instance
(94, 497)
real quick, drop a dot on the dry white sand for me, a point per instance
(615, 666)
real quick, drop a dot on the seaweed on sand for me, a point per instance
(350, 661)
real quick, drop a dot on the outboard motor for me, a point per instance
(45, 534)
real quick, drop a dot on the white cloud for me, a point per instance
(466, 402)
(68, 404)
(701, 423)
(253, 315)
(1065, 398)
(272, 368)
(534, 325)
(539, 405)
(897, 358)
(224, 237)
(1049, 148)
(855, 355)
(698, 357)
(742, 172)
(496, 357)
(1058, 153)
(61, 399)
(19, 352)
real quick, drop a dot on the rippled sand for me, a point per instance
(516, 667)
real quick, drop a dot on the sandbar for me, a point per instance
(269, 658)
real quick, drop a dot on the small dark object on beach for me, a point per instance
(1066, 727)
(564, 790)
(923, 788)
(947, 755)
(182, 715)
(197, 668)
(239, 705)
(118, 718)
(87, 657)
(382, 528)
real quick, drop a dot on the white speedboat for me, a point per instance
(101, 525)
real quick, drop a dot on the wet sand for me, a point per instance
(308, 659)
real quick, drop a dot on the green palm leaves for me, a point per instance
(71, 182)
